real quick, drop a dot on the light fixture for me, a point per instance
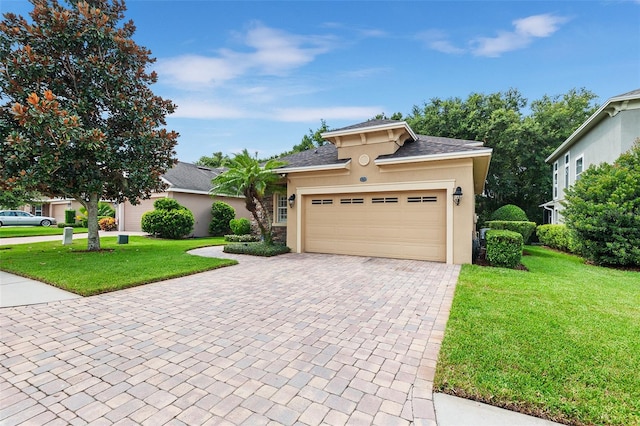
(292, 200)
(457, 196)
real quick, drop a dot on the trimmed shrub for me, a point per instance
(504, 248)
(558, 237)
(167, 204)
(221, 214)
(168, 220)
(246, 238)
(603, 208)
(107, 224)
(71, 225)
(509, 212)
(256, 249)
(69, 216)
(523, 228)
(240, 226)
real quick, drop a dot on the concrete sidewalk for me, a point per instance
(19, 291)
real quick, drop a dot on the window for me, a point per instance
(566, 170)
(37, 210)
(281, 208)
(555, 180)
(377, 200)
(319, 201)
(579, 166)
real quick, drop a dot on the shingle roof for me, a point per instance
(425, 145)
(632, 93)
(365, 124)
(191, 177)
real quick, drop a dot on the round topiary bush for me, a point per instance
(240, 226)
(169, 219)
(221, 214)
(509, 212)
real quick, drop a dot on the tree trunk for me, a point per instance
(93, 241)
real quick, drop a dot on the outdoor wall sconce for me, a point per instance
(292, 200)
(457, 196)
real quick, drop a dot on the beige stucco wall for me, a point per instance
(442, 174)
(199, 204)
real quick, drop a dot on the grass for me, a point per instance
(561, 341)
(115, 267)
(34, 231)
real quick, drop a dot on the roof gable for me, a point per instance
(610, 108)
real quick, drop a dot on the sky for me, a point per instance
(260, 74)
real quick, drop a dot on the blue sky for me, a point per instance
(260, 74)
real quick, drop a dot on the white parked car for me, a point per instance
(18, 217)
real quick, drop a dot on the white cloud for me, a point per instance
(526, 30)
(271, 52)
(439, 41)
(190, 108)
(326, 113)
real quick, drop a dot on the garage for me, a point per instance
(404, 224)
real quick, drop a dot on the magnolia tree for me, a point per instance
(78, 118)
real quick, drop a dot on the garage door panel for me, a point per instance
(401, 225)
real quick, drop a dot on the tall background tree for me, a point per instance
(216, 160)
(78, 118)
(248, 178)
(521, 139)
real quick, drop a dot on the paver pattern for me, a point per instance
(296, 339)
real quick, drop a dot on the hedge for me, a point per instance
(504, 248)
(256, 249)
(558, 237)
(246, 238)
(521, 227)
(240, 226)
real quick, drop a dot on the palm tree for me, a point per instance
(245, 176)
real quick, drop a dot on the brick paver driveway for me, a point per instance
(299, 338)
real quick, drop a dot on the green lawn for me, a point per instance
(117, 266)
(34, 231)
(561, 341)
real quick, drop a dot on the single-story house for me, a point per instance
(187, 183)
(379, 189)
(602, 138)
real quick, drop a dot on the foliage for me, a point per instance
(246, 177)
(73, 225)
(521, 227)
(504, 248)
(143, 260)
(167, 204)
(107, 224)
(104, 210)
(509, 212)
(256, 249)
(168, 220)
(221, 214)
(558, 237)
(245, 238)
(603, 208)
(78, 118)
(213, 162)
(240, 226)
(311, 140)
(69, 216)
(518, 173)
(13, 199)
(559, 341)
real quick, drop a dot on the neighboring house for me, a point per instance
(187, 183)
(607, 134)
(378, 189)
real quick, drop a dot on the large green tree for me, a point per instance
(216, 160)
(78, 118)
(518, 173)
(247, 177)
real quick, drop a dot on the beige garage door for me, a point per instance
(404, 225)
